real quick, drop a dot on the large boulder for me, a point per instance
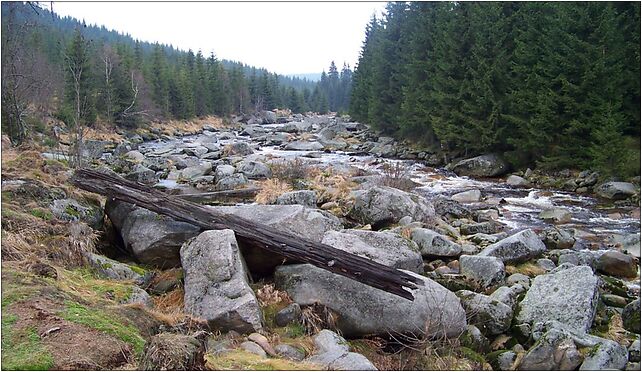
(73, 210)
(485, 271)
(231, 182)
(254, 170)
(216, 283)
(470, 196)
(568, 296)
(310, 224)
(193, 172)
(111, 269)
(383, 205)
(304, 146)
(490, 165)
(307, 198)
(631, 316)
(431, 243)
(489, 315)
(153, 239)
(364, 310)
(239, 148)
(386, 248)
(618, 264)
(555, 350)
(616, 190)
(516, 248)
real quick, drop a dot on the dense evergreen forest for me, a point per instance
(549, 83)
(61, 65)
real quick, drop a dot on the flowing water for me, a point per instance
(518, 207)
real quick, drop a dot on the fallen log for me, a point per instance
(221, 196)
(250, 233)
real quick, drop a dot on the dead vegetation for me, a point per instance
(271, 189)
(191, 126)
(397, 175)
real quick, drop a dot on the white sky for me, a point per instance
(287, 38)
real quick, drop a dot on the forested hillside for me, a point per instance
(126, 81)
(552, 83)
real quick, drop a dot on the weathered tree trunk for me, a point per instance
(221, 196)
(250, 233)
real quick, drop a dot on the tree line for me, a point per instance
(87, 73)
(550, 83)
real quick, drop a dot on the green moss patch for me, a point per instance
(22, 349)
(104, 322)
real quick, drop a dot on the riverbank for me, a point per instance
(486, 247)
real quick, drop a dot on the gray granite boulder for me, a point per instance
(111, 269)
(516, 248)
(382, 205)
(616, 190)
(383, 247)
(486, 271)
(555, 350)
(490, 165)
(254, 170)
(567, 296)
(333, 353)
(431, 243)
(364, 310)
(489, 315)
(307, 198)
(304, 146)
(216, 283)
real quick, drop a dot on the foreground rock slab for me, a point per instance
(568, 296)
(364, 310)
(216, 283)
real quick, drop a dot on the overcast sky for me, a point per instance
(287, 38)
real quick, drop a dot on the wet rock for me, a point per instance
(431, 243)
(517, 181)
(490, 316)
(254, 170)
(435, 310)
(616, 190)
(112, 269)
(304, 146)
(216, 283)
(307, 198)
(254, 348)
(617, 264)
(232, 182)
(383, 247)
(382, 205)
(170, 351)
(73, 210)
(490, 165)
(553, 351)
(568, 296)
(556, 238)
(153, 239)
(631, 316)
(289, 314)
(484, 270)
(470, 196)
(289, 352)
(516, 248)
(556, 215)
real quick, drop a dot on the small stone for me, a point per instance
(289, 352)
(546, 264)
(634, 351)
(263, 342)
(556, 215)
(613, 300)
(487, 271)
(520, 279)
(254, 348)
(289, 314)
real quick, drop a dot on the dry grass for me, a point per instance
(241, 360)
(616, 331)
(318, 317)
(337, 188)
(397, 175)
(268, 295)
(271, 189)
(529, 269)
(291, 171)
(188, 126)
